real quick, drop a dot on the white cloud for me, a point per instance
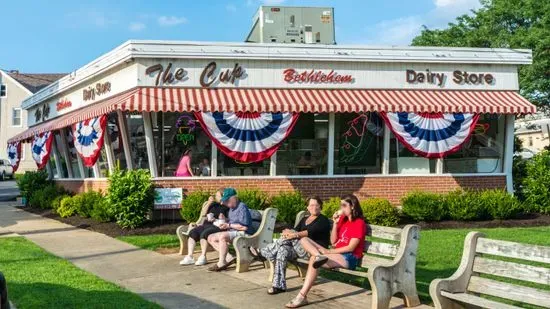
(401, 31)
(264, 2)
(231, 8)
(168, 21)
(136, 26)
(90, 17)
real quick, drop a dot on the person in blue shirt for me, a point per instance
(239, 223)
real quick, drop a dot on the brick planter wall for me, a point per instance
(389, 187)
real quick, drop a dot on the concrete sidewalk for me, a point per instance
(159, 278)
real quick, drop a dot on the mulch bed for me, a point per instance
(529, 220)
(110, 228)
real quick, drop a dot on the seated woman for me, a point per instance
(348, 242)
(216, 211)
(288, 247)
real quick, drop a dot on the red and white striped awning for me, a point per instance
(294, 100)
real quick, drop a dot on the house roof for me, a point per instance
(35, 82)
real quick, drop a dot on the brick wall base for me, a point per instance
(389, 187)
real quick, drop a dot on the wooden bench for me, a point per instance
(263, 220)
(391, 267)
(485, 265)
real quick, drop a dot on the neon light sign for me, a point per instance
(186, 126)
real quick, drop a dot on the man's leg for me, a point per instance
(213, 240)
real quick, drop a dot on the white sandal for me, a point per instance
(296, 302)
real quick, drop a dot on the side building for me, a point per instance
(14, 88)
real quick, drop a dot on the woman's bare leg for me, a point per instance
(310, 246)
(204, 246)
(334, 261)
(191, 246)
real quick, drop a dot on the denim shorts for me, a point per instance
(352, 260)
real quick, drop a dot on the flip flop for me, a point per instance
(214, 267)
(256, 254)
(320, 260)
(226, 265)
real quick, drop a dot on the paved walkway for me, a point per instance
(160, 279)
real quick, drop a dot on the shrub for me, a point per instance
(191, 205)
(130, 195)
(101, 211)
(288, 205)
(56, 202)
(379, 211)
(537, 182)
(67, 207)
(31, 182)
(43, 198)
(500, 204)
(424, 206)
(254, 198)
(87, 202)
(331, 206)
(465, 206)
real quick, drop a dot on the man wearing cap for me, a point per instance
(239, 223)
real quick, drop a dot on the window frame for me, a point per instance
(20, 117)
(5, 90)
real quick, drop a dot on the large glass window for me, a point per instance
(305, 151)
(138, 147)
(358, 141)
(174, 134)
(230, 167)
(483, 152)
(73, 155)
(115, 135)
(404, 161)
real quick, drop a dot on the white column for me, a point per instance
(509, 152)
(96, 170)
(109, 150)
(214, 161)
(273, 165)
(81, 166)
(65, 152)
(123, 129)
(57, 158)
(330, 154)
(386, 151)
(439, 166)
(152, 159)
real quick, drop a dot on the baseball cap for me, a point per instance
(228, 193)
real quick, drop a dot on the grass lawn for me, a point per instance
(38, 279)
(439, 253)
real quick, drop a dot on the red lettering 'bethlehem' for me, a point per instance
(316, 77)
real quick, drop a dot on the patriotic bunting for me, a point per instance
(247, 136)
(41, 148)
(88, 138)
(14, 154)
(431, 135)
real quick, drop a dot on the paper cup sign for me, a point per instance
(168, 198)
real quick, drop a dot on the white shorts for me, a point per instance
(233, 234)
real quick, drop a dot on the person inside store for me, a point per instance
(216, 213)
(315, 226)
(347, 237)
(184, 166)
(306, 164)
(204, 167)
(239, 223)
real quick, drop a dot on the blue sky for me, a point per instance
(61, 35)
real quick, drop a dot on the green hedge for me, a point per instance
(379, 211)
(288, 205)
(424, 206)
(191, 205)
(32, 182)
(536, 184)
(254, 198)
(331, 206)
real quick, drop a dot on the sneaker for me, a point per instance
(187, 260)
(201, 261)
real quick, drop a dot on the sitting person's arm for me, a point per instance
(241, 221)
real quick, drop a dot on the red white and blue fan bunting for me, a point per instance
(41, 148)
(14, 154)
(88, 138)
(247, 136)
(431, 135)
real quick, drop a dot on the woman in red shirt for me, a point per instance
(348, 242)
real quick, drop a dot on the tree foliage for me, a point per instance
(514, 24)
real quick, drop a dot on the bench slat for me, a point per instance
(380, 248)
(477, 301)
(512, 270)
(514, 250)
(509, 291)
(374, 260)
(384, 232)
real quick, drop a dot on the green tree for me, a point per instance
(505, 24)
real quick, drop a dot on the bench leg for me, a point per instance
(380, 282)
(183, 239)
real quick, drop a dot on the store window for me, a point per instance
(231, 167)
(16, 117)
(404, 161)
(115, 135)
(64, 166)
(73, 155)
(138, 147)
(305, 151)
(483, 152)
(358, 141)
(176, 133)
